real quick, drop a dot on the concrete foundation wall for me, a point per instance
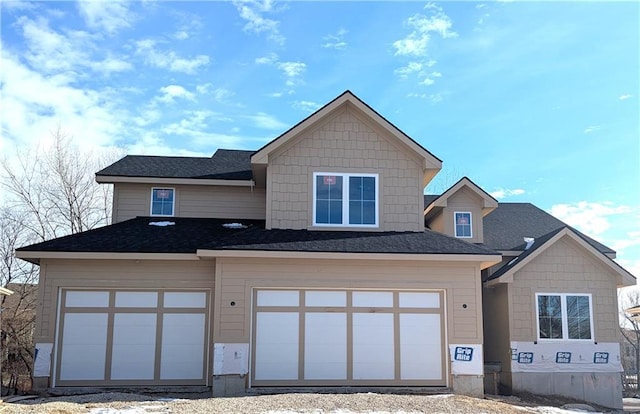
(603, 388)
(471, 385)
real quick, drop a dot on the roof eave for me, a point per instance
(624, 278)
(485, 260)
(36, 256)
(113, 179)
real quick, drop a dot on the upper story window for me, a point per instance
(345, 199)
(462, 223)
(162, 201)
(564, 316)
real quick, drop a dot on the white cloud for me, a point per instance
(625, 96)
(172, 92)
(412, 67)
(433, 98)
(501, 193)
(292, 71)
(181, 35)
(335, 41)
(109, 16)
(36, 103)
(415, 45)
(168, 59)
(307, 106)
(591, 218)
(270, 59)
(591, 128)
(265, 121)
(253, 13)
(412, 46)
(416, 42)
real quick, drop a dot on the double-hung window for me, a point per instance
(462, 224)
(564, 316)
(162, 201)
(345, 199)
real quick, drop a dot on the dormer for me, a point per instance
(345, 167)
(458, 212)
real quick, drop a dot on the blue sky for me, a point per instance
(534, 101)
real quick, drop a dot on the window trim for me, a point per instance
(173, 202)
(345, 200)
(565, 322)
(455, 228)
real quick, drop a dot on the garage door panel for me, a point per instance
(277, 340)
(84, 346)
(420, 347)
(182, 343)
(373, 346)
(325, 347)
(134, 345)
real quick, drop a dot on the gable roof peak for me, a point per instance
(489, 202)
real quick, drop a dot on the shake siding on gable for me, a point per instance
(132, 200)
(344, 143)
(113, 274)
(565, 267)
(235, 279)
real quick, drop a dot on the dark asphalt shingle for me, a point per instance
(223, 165)
(190, 234)
(506, 227)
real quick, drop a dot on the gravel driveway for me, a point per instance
(122, 403)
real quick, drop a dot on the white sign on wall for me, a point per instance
(230, 359)
(565, 357)
(466, 359)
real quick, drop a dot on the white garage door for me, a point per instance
(132, 338)
(344, 337)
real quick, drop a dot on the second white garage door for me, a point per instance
(348, 337)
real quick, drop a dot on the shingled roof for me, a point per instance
(505, 228)
(223, 165)
(187, 235)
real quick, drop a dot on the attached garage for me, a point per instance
(132, 337)
(348, 337)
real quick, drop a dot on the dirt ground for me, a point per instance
(290, 403)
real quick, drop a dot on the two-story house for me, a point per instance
(313, 261)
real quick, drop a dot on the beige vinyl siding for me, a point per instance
(235, 278)
(464, 200)
(132, 200)
(346, 142)
(112, 274)
(564, 267)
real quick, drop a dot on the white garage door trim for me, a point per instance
(132, 337)
(324, 337)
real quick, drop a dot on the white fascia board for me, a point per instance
(110, 179)
(476, 258)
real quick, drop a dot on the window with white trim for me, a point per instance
(564, 316)
(345, 199)
(462, 224)
(162, 201)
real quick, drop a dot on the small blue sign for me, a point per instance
(463, 353)
(563, 357)
(514, 354)
(600, 357)
(525, 357)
